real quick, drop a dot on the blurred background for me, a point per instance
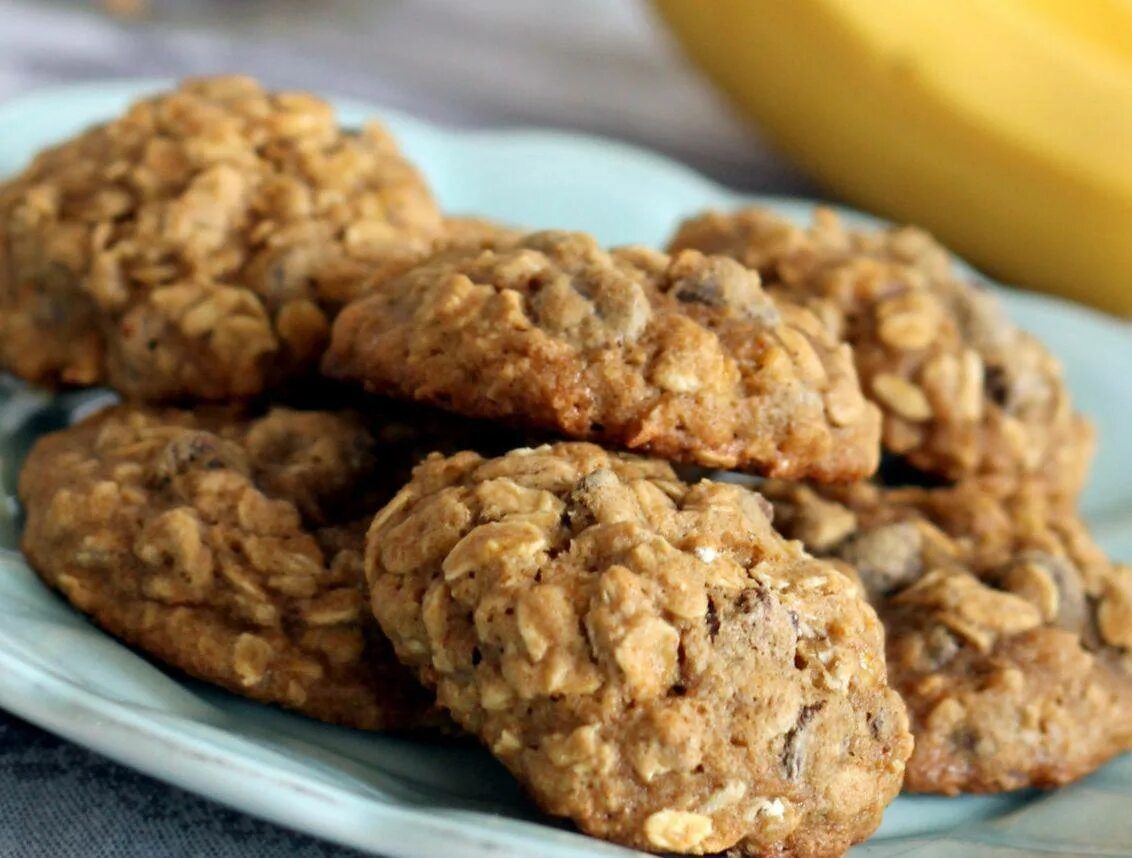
(603, 66)
(1003, 126)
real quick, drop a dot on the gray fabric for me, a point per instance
(595, 65)
(58, 800)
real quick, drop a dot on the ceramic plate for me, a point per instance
(406, 798)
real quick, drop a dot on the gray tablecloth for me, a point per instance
(597, 65)
(57, 799)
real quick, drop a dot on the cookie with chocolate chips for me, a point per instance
(963, 391)
(197, 246)
(1009, 633)
(230, 547)
(685, 357)
(648, 657)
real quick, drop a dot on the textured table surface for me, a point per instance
(595, 65)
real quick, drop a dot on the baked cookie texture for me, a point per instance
(198, 246)
(649, 658)
(475, 232)
(231, 548)
(1008, 631)
(685, 357)
(963, 391)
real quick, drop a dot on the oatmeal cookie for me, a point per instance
(230, 548)
(963, 391)
(476, 232)
(684, 356)
(198, 246)
(1008, 631)
(648, 657)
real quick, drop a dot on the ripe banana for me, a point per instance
(1004, 126)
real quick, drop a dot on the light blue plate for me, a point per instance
(411, 798)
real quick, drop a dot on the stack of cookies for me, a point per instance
(714, 548)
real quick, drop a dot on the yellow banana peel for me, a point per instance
(1004, 126)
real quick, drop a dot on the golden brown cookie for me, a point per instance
(1009, 633)
(963, 391)
(685, 357)
(649, 658)
(476, 232)
(230, 548)
(199, 245)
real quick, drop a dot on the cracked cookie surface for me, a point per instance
(1008, 631)
(230, 548)
(197, 246)
(963, 391)
(685, 357)
(649, 658)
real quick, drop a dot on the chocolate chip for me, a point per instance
(794, 747)
(712, 618)
(996, 382)
(196, 449)
(886, 558)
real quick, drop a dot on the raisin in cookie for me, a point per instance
(198, 245)
(230, 548)
(1009, 633)
(963, 390)
(648, 657)
(685, 357)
